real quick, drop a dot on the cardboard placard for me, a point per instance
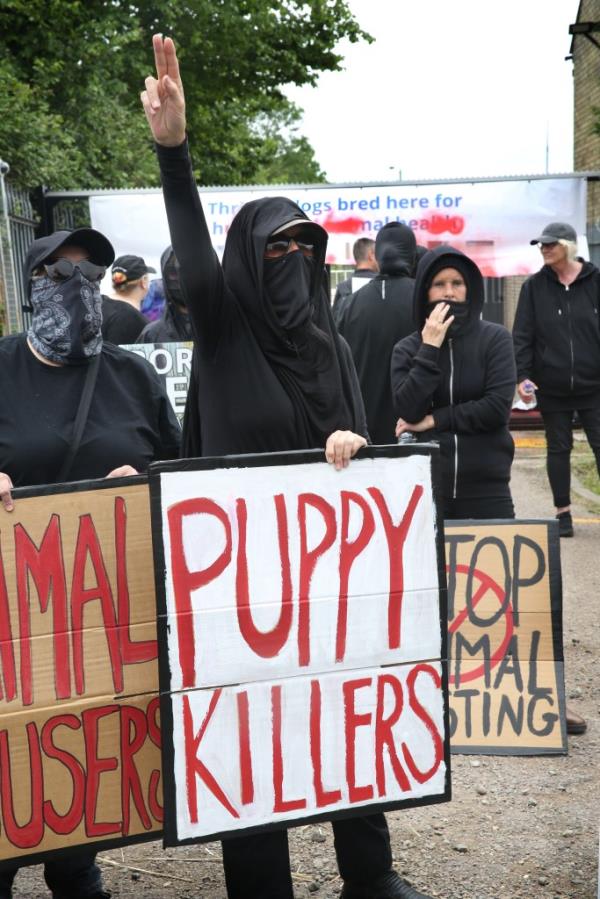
(505, 637)
(79, 711)
(302, 638)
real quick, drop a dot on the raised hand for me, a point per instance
(163, 100)
(436, 326)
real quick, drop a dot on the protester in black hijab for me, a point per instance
(454, 381)
(174, 324)
(375, 318)
(270, 374)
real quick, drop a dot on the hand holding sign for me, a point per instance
(163, 100)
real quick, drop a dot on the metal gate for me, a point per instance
(17, 230)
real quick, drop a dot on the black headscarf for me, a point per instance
(306, 357)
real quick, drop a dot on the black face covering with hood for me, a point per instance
(287, 306)
(465, 314)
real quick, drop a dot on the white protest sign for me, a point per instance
(491, 221)
(301, 634)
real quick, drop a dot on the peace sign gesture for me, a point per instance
(163, 99)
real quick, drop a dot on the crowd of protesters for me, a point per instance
(404, 353)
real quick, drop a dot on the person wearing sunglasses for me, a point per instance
(269, 373)
(130, 423)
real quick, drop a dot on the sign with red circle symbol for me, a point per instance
(505, 638)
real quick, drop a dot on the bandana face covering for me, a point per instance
(288, 282)
(67, 318)
(460, 311)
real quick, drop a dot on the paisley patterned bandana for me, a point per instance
(67, 318)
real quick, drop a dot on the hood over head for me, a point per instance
(433, 262)
(169, 270)
(243, 257)
(395, 248)
(286, 303)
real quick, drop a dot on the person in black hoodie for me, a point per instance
(454, 381)
(556, 333)
(270, 373)
(375, 318)
(174, 325)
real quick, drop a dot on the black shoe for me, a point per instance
(575, 723)
(565, 524)
(389, 886)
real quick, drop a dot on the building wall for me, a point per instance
(586, 74)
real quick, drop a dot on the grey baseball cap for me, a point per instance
(556, 231)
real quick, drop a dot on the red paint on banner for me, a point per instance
(396, 536)
(185, 581)
(323, 797)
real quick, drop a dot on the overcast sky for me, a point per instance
(447, 90)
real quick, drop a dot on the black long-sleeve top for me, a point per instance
(236, 403)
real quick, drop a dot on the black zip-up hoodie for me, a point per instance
(556, 335)
(467, 385)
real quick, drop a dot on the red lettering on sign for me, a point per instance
(152, 713)
(70, 821)
(395, 536)
(280, 804)
(46, 567)
(308, 561)
(138, 650)
(420, 712)
(353, 720)
(185, 581)
(245, 750)
(193, 766)
(134, 730)
(88, 547)
(95, 766)
(24, 836)
(264, 643)
(384, 735)
(349, 551)
(323, 797)
(7, 653)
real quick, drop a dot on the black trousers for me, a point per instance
(559, 441)
(479, 507)
(69, 876)
(258, 866)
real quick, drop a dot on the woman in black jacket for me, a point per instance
(557, 344)
(270, 373)
(454, 381)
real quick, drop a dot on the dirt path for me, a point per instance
(517, 828)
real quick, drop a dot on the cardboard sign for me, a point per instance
(505, 637)
(79, 711)
(173, 362)
(302, 638)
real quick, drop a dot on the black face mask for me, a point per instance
(460, 311)
(288, 281)
(172, 283)
(67, 318)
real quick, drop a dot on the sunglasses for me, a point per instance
(63, 269)
(275, 248)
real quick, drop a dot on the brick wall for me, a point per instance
(586, 72)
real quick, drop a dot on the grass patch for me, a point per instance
(583, 464)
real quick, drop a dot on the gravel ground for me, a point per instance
(517, 828)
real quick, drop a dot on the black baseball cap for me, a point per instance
(556, 231)
(129, 268)
(97, 245)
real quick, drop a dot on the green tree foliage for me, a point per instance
(71, 72)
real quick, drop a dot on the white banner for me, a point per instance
(301, 627)
(491, 221)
